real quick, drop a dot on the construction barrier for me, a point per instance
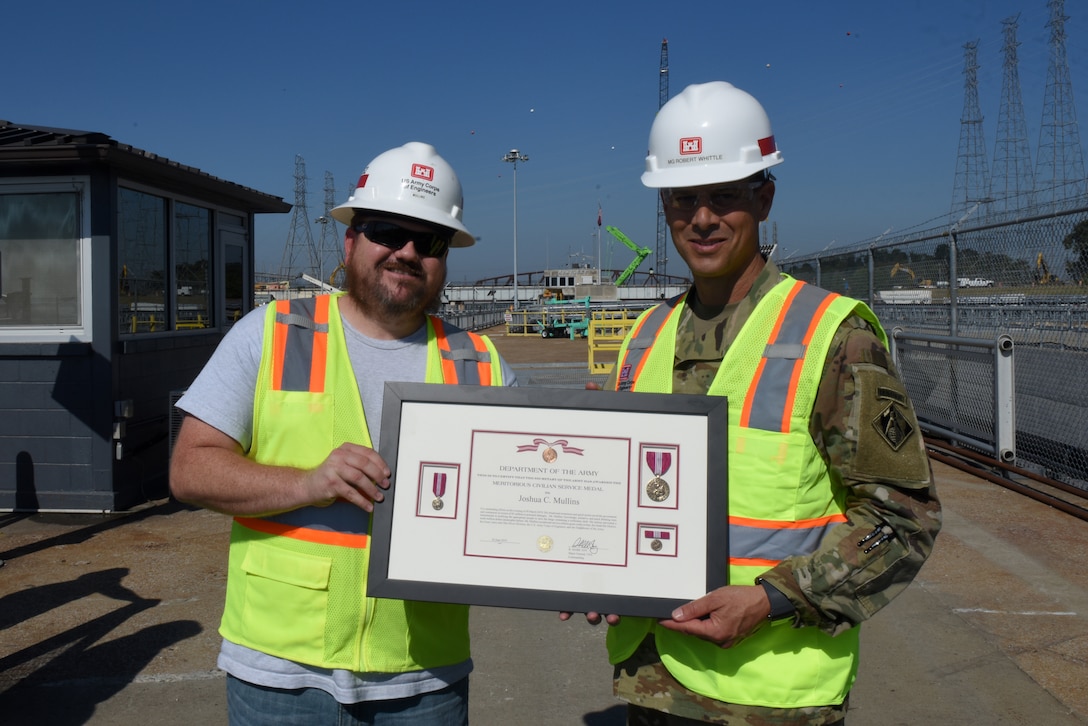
(607, 329)
(521, 322)
(190, 324)
(136, 322)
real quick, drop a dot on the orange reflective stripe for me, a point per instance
(483, 360)
(317, 536)
(799, 363)
(778, 524)
(784, 309)
(635, 330)
(320, 346)
(642, 360)
(749, 397)
(279, 344)
(752, 562)
(646, 356)
(449, 368)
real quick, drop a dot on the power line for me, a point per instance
(330, 247)
(661, 257)
(1012, 184)
(971, 185)
(1059, 171)
(299, 249)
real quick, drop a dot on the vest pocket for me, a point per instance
(303, 432)
(286, 587)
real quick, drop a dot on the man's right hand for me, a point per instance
(209, 469)
(355, 473)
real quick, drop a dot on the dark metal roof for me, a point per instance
(23, 144)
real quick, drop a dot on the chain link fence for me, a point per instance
(1024, 278)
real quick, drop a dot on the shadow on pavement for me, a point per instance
(615, 716)
(84, 526)
(61, 679)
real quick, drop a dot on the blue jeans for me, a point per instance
(250, 705)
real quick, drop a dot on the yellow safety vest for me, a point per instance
(782, 499)
(296, 583)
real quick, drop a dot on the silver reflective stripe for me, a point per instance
(774, 544)
(340, 516)
(462, 352)
(768, 410)
(299, 351)
(466, 353)
(301, 321)
(793, 351)
(638, 348)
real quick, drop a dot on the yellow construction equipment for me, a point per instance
(332, 278)
(1042, 272)
(900, 267)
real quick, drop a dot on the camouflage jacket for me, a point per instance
(864, 425)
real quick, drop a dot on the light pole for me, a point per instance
(514, 156)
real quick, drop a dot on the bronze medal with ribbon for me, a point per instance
(657, 489)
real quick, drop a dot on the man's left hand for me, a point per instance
(725, 616)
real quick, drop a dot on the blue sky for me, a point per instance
(865, 99)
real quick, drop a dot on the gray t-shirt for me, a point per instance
(222, 397)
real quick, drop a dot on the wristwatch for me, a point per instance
(781, 607)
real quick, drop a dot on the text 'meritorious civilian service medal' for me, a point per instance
(659, 462)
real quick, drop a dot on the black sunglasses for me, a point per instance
(395, 237)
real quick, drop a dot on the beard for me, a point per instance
(378, 297)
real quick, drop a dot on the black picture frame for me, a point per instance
(413, 549)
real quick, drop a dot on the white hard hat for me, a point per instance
(710, 133)
(410, 181)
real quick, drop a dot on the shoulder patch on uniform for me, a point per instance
(892, 394)
(893, 426)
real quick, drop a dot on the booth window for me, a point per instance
(164, 256)
(192, 266)
(40, 245)
(141, 260)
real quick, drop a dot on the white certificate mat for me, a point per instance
(551, 499)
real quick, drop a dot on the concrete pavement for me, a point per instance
(111, 620)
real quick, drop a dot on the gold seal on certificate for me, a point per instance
(544, 543)
(549, 454)
(657, 489)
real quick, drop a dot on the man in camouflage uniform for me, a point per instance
(862, 423)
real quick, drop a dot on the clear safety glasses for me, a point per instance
(721, 199)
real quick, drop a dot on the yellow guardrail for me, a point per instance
(136, 322)
(607, 329)
(190, 324)
(152, 324)
(521, 322)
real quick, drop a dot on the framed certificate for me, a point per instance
(551, 499)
